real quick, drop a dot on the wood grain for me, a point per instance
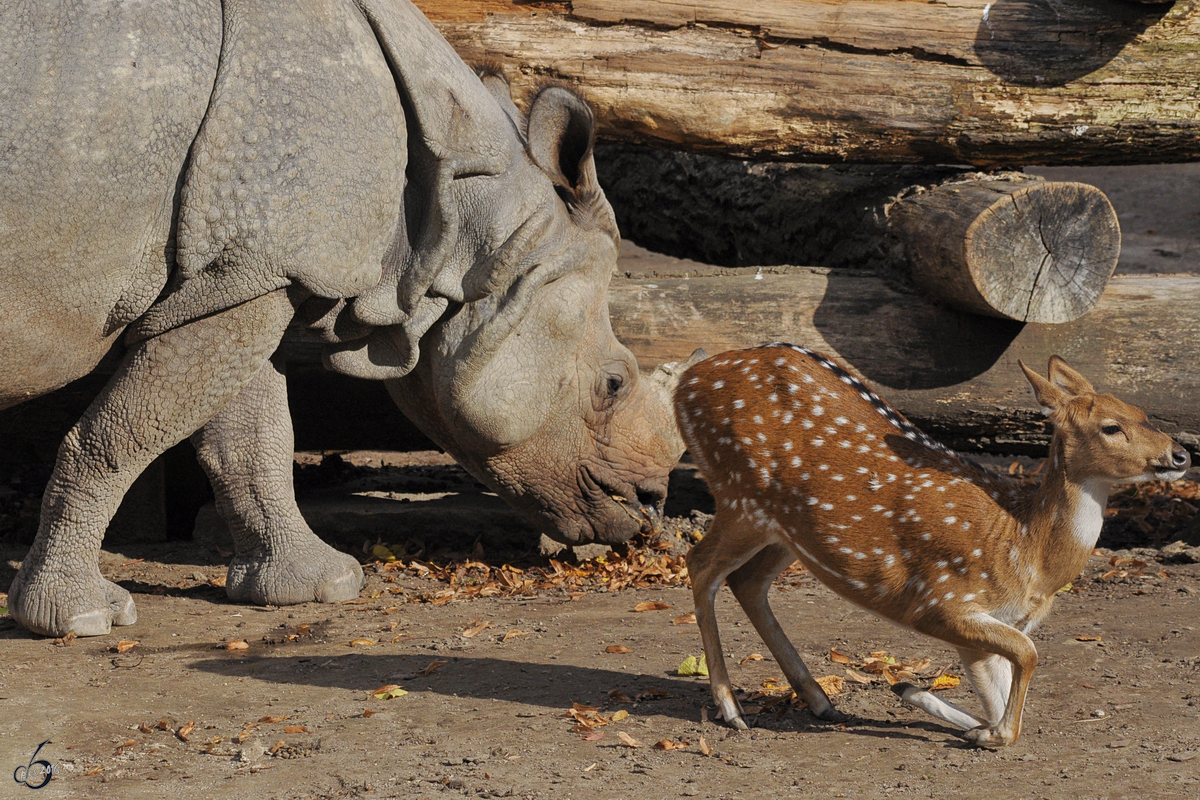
(1009, 82)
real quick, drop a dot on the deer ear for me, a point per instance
(1067, 379)
(1049, 397)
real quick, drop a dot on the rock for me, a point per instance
(1179, 553)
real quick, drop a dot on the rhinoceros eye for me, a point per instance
(614, 384)
(610, 384)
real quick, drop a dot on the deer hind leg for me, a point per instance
(751, 584)
(990, 674)
(1000, 661)
(728, 545)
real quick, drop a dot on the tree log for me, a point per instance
(1007, 82)
(1006, 245)
(1028, 250)
(954, 374)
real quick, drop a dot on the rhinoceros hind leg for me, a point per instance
(89, 607)
(247, 452)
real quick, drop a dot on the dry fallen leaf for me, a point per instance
(628, 740)
(296, 729)
(667, 744)
(362, 643)
(837, 657)
(618, 715)
(513, 634)
(367, 713)
(751, 657)
(144, 728)
(123, 647)
(93, 771)
(186, 731)
(858, 677)
(389, 692)
(618, 649)
(476, 628)
(238, 645)
(66, 641)
(944, 682)
(686, 619)
(651, 605)
(617, 696)
(593, 736)
(1089, 638)
(832, 684)
(693, 666)
(278, 746)
(272, 720)
(704, 748)
(430, 668)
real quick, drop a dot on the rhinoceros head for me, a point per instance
(525, 384)
(491, 323)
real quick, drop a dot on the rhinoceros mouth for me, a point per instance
(620, 499)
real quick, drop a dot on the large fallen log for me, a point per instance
(1008, 82)
(955, 374)
(1006, 245)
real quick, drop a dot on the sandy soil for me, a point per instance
(1114, 709)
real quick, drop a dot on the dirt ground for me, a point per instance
(1114, 709)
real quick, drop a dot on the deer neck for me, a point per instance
(1063, 520)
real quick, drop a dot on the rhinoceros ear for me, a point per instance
(561, 133)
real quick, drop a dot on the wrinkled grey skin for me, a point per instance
(184, 179)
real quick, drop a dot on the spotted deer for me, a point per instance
(805, 462)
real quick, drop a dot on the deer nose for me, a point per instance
(1180, 458)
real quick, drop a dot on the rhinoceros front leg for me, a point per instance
(165, 388)
(246, 449)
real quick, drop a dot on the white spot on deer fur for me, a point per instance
(889, 560)
(949, 505)
(823, 467)
(856, 518)
(966, 526)
(807, 423)
(831, 539)
(948, 596)
(983, 575)
(762, 437)
(827, 506)
(860, 556)
(943, 579)
(718, 384)
(858, 584)
(851, 497)
(968, 597)
(950, 520)
(845, 550)
(977, 552)
(818, 410)
(739, 403)
(812, 501)
(926, 536)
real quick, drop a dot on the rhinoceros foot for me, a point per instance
(296, 574)
(55, 604)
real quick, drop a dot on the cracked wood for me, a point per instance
(1009, 82)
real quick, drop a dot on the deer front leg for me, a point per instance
(709, 563)
(991, 675)
(983, 639)
(751, 584)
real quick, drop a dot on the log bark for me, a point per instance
(952, 373)
(1006, 245)
(1007, 82)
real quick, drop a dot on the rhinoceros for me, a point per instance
(181, 181)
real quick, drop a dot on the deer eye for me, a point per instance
(1111, 430)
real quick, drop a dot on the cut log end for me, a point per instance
(1027, 250)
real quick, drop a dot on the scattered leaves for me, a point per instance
(693, 666)
(628, 740)
(513, 634)
(475, 629)
(593, 735)
(618, 715)
(238, 645)
(186, 730)
(832, 684)
(686, 619)
(651, 605)
(667, 744)
(272, 720)
(1089, 638)
(858, 677)
(618, 649)
(363, 642)
(838, 658)
(751, 657)
(704, 748)
(66, 641)
(296, 729)
(123, 647)
(389, 692)
(430, 668)
(944, 681)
